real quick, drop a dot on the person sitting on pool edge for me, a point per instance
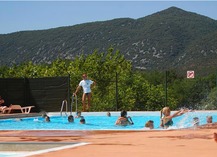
(123, 119)
(108, 114)
(71, 119)
(166, 117)
(78, 114)
(47, 118)
(43, 114)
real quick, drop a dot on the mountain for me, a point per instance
(169, 39)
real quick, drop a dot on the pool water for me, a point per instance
(100, 121)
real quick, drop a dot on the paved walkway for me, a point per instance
(178, 143)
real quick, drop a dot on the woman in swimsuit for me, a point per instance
(124, 119)
(166, 117)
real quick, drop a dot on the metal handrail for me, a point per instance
(64, 102)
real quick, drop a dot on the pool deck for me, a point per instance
(194, 142)
(179, 143)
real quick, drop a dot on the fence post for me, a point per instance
(25, 91)
(70, 106)
(116, 81)
(166, 88)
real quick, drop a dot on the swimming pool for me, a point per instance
(100, 121)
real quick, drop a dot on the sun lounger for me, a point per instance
(25, 109)
(2, 108)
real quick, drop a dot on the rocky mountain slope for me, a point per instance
(169, 39)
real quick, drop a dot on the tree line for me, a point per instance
(119, 86)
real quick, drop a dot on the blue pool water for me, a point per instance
(99, 121)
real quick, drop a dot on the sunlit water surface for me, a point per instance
(100, 121)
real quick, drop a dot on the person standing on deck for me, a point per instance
(86, 84)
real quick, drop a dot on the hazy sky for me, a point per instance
(37, 15)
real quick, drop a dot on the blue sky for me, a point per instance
(38, 15)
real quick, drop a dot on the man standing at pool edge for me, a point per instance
(86, 85)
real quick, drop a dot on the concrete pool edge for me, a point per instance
(53, 146)
(19, 115)
(52, 149)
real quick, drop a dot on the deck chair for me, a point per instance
(25, 109)
(2, 108)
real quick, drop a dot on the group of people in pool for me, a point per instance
(70, 118)
(78, 115)
(124, 120)
(166, 118)
(196, 121)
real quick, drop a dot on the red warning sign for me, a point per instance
(190, 74)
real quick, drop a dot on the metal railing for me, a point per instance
(64, 102)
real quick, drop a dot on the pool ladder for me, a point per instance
(61, 110)
(64, 102)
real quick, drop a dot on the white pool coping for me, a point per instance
(30, 153)
(117, 113)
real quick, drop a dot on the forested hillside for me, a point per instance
(119, 87)
(169, 39)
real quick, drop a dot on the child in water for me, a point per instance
(166, 117)
(209, 119)
(47, 118)
(196, 121)
(71, 119)
(82, 120)
(149, 124)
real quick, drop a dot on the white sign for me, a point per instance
(190, 74)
